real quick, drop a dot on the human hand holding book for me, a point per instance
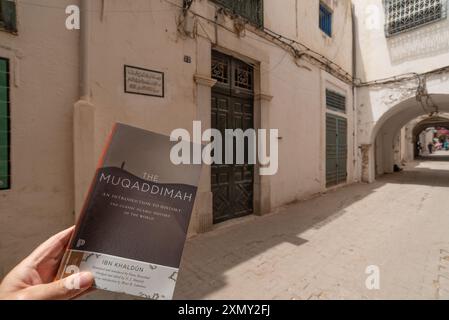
(32, 279)
(131, 231)
(133, 226)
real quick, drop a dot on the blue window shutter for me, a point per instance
(325, 20)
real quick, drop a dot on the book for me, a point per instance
(133, 225)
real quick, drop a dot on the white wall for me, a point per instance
(298, 19)
(418, 50)
(44, 86)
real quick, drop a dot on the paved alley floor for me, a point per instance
(321, 248)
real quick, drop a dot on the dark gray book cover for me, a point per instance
(133, 226)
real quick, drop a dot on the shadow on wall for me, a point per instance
(423, 42)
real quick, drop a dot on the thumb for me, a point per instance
(63, 289)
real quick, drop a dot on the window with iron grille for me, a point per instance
(252, 10)
(221, 69)
(232, 74)
(4, 125)
(404, 15)
(8, 16)
(325, 19)
(335, 101)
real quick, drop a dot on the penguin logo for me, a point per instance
(80, 243)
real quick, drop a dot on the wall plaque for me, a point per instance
(143, 81)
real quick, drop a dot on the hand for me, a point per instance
(33, 278)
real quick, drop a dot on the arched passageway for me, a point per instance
(387, 136)
(425, 132)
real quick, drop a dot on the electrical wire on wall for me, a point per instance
(295, 48)
(299, 50)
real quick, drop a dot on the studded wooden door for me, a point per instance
(232, 108)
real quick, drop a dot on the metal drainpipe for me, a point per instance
(84, 51)
(355, 147)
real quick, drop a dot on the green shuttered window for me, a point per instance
(252, 10)
(4, 125)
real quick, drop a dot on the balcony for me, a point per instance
(251, 10)
(8, 16)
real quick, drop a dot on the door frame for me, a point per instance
(203, 213)
(328, 82)
(242, 94)
(338, 118)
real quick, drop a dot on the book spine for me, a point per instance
(69, 258)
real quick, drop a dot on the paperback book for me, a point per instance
(133, 225)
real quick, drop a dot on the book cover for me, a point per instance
(133, 225)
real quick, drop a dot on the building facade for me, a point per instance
(259, 65)
(402, 50)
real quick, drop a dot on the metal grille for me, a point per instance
(252, 10)
(220, 69)
(404, 15)
(4, 125)
(335, 101)
(243, 76)
(8, 15)
(232, 74)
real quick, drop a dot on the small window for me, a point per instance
(8, 16)
(326, 20)
(335, 101)
(4, 126)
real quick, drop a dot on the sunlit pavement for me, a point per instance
(320, 249)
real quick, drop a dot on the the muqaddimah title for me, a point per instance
(145, 187)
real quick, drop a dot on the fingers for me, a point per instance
(53, 248)
(64, 289)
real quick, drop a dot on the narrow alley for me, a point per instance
(321, 248)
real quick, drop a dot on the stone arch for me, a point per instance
(378, 154)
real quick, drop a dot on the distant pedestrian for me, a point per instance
(419, 146)
(430, 147)
(446, 145)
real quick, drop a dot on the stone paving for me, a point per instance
(320, 248)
